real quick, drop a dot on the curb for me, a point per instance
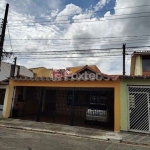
(102, 138)
(62, 133)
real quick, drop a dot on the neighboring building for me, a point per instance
(140, 63)
(75, 69)
(59, 73)
(135, 103)
(135, 95)
(4, 89)
(6, 71)
(66, 101)
(42, 72)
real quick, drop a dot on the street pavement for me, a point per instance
(89, 133)
(15, 139)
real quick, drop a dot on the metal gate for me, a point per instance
(139, 108)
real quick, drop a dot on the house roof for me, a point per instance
(4, 82)
(141, 53)
(135, 76)
(87, 67)
(77, 68)
(37, 68)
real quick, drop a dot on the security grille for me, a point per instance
(139, 108)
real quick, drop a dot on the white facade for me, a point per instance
(138, 66)
(6, 68)
(3, 107)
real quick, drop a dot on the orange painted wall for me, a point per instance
(109, 84)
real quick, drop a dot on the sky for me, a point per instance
(64, 33)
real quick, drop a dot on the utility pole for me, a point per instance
(15, 60)
(124, 53)
(3, 33)
(13, 68)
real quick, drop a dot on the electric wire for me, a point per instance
(87, 21)
(77, 19)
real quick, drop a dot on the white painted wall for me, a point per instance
(5, 71)
(138, 66)
(5, 99)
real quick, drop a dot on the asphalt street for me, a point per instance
(11, 139)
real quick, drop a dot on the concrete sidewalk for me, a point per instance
(125, 137)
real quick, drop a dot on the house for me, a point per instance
(5, 73)
(6, 69)
(59, 73)
(4, 89)
(135, 95)
(75, 69)
(42, 72)
(66, 100)
(140, 63)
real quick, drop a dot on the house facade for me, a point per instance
(140, 63)
(66, 100)
(5, 73)
(4, 90)
(42, 72)
(135, 95)
(135, 103)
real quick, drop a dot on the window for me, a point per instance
(146, 63)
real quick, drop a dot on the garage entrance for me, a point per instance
(86, 107)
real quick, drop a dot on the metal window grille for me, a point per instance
(139, 108)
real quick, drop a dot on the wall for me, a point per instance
(42, 72)
(5, 98)
(5, 71)
(138, 66)
(124, 99)
(109, 84)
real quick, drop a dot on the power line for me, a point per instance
(41, 54)
(82, 50)
(85, 38)
(69, 57)
(9, 38)
(79, 19)
(69, 46)
(87, 21)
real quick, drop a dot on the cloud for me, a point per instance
(70, 9)
(23, 24)
(101, 4)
